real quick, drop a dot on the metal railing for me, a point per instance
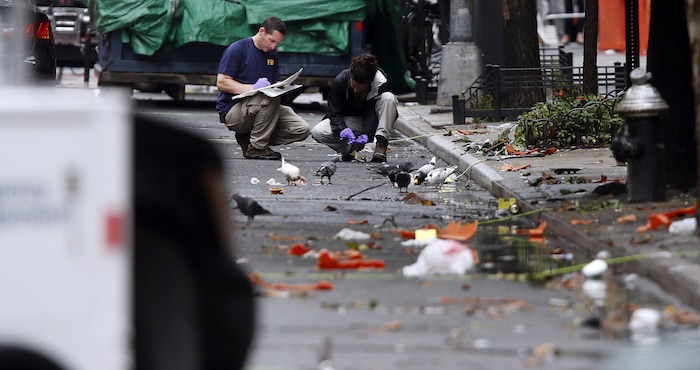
(507, 92)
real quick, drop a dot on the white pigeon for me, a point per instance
(438, 175)
(290, 172)
(422, 172)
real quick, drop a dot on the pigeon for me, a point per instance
(388, 169)
(402, 180)
(438, 175)
(290, 172)
(327, 169)
(421, 173)
(249, 207)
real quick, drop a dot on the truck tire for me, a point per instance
(177, 92)
(16, 358)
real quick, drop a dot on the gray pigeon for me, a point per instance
(438, 175)
(327, 169)
(422, 172)
(392, 169)
(403, 179)
(249, 207)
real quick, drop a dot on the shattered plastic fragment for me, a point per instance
(443, 257)
(684, 227)
(538, 231)
(665, 219)
(351, 235)
(321, 285)
(457, 231)
(326, 261)
(297, 249)
(254, 181)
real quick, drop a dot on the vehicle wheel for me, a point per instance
(22, 359)
(176, 92)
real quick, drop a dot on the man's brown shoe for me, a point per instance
(267, 153)
(380, 150)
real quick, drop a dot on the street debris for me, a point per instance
(275, 236)
(630, 218)
(347, 234)
(582, 222)
(327, 261)
(510, 167)
(595, 269)
(686, 226)
(268, 286)
(656, 220)
(457, 231)
(443, 257)
(538, 231)
(413, 198)
(297, 249)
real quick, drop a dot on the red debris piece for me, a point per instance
(538, 231)
(320, 285)
(297, 249)
(328, 262)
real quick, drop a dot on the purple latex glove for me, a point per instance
(347, 134)
(361, 140)
(260, 83)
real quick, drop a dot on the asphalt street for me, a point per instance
(379, 319)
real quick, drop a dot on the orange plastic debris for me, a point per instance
(538, 231)
(522, 167)
(320, 285)
(550, 151)
(353, 255)
(581, 222)
(656, 220)
(327, 262)
(457, 231)
(626, 218)
(406, 234)
(510, 150)
(355, 222)
(275, 236)
(297, 249)
(515, 168)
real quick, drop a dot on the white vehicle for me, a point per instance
(65, 229)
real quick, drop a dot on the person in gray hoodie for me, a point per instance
(360, 110)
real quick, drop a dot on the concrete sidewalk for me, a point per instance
(567, 201)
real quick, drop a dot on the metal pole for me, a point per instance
(631, 37)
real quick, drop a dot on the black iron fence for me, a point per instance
(507, 92)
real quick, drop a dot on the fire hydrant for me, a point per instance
(642, 146)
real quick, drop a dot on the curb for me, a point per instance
(676, 275)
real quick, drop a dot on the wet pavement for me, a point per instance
(378, 319)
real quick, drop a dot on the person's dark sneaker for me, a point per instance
(348, 157)
(380, 150)
(267, 153)
(243, 140)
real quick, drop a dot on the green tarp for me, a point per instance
(313, 26)
(318, 26)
